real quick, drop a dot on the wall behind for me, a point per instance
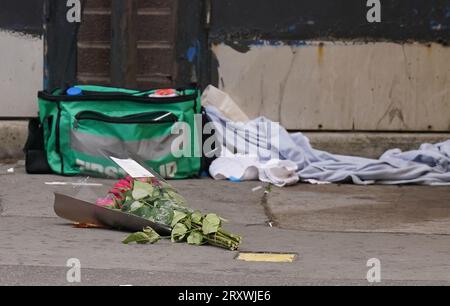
(21, 56)
(320, 65)
(21, 74)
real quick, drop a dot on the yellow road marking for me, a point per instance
(266, 257)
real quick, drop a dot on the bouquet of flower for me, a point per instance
(159, 202)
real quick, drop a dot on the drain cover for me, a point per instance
(266, 257)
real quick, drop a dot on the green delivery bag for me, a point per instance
(82, 131)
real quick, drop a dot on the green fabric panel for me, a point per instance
(125, 132)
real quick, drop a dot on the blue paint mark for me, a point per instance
(191, 54)
(292, 28)
(194, 52)
(436, 26)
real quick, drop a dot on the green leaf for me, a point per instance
(178, 232)
(177, 217)
(144, 212)
(151, 234)
(175, 197)
(195, 238)
(141, 190)
(148, 235)
(163, 215)
(166, 186)
(128, 197)
(211, 224)
(188, 223)
(136, 205)
(156, 193)
(196, 217)
(127, 205)
(139, 237)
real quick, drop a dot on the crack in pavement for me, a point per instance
(271, 220)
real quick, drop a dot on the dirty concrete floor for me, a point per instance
(349, 208)
(334, 230)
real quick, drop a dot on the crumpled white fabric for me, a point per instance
(279, 172)
(247, 168)
(429, 165)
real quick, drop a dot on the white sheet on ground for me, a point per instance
(429, 165)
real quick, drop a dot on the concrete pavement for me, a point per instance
(333, 229)
(372, 209)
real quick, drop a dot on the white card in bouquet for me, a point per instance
(132, 167)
